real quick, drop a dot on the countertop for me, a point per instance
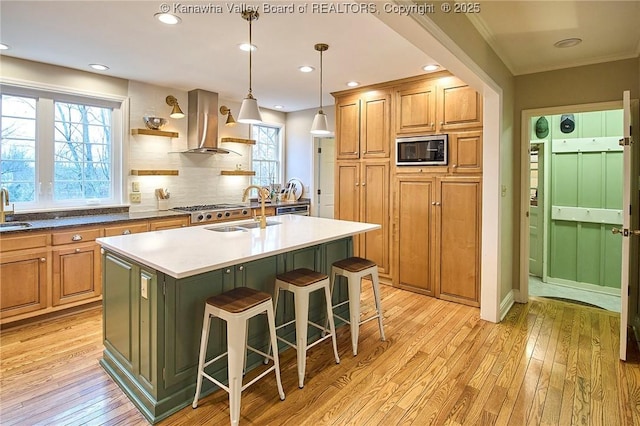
(88, 219)
(183, 252)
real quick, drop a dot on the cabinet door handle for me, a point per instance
(433, 203)
(77, 250)
(454, 166)
(442, 123)
(76, 237)
(432, 124)
(357, 184)
(240, 268)
(437, 203)
(364, 183)
(228, 271)
(42, 259)
(126, 232)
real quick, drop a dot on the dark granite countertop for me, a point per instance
(68, 219)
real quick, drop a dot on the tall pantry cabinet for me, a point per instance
(430, 215)
(362, 170)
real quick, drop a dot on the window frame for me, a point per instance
(280, 160)
(45, 97)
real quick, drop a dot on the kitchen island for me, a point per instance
(155, 286)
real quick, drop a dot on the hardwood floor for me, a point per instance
(547, 363)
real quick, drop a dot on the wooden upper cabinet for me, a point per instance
(375, 127)
(416, 109)
(348, 128)
(459, 106)
(465, 152)
(363, 126)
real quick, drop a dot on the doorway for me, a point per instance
(575, 199)
(324, 166)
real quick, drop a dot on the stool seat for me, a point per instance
(301, 283)
(238, 300)
(236, 307)
(302, 277)
(354, 264)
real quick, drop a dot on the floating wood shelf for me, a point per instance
(154, 172)
(238, 173)
(150, 132)
(239, 140)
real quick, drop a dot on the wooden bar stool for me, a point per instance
(302, 282)
(236, 307)
(355, 269)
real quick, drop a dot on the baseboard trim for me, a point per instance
(506, 304)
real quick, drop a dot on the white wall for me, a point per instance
(299, 145)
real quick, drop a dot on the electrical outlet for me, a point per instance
(135, 197)
(135, 186)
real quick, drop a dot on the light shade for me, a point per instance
(320, 126)
(176, 112)
(249, 111)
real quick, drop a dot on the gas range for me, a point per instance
(207, 213)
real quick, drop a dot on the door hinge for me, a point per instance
(319, 150)
(319, 192)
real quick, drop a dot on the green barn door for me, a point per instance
(586, 201)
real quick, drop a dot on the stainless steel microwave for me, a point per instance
(428, 150)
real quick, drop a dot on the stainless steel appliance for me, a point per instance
(208, 213)
(301, 209)
(428, 150)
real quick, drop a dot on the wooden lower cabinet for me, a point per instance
(437, 238)
(363, 196)
(76, 273)
(23, 281)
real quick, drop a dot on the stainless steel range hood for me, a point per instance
(202, 126)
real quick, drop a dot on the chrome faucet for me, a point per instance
(4, 201)
(263, 193)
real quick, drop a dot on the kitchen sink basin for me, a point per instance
(226, 229)
(253, 225)
(13, 226)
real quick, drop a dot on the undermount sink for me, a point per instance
(226, 229)
(12, 226)
(253, 225)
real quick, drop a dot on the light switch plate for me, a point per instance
(135, 186)
(135, 197)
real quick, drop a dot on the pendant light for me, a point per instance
(320, 126)
(249, 111)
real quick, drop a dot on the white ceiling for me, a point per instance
(202, 51)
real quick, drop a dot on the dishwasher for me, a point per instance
(302, 209)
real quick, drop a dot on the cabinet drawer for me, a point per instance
(24, 241)
(130, 228)
(76, 236)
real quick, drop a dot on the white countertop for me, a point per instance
(193, 250)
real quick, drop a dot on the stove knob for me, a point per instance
(245, 212)
(227, 214)
(208, 216)
(200, 217)
(219, 215)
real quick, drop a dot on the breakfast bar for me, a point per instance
(155, 285)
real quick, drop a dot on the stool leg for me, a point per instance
(206, 322)
(354, 310)
(332, 327)
(236, 341)
(274, 343)
(332, 283)
(376, 294)
(302, 319)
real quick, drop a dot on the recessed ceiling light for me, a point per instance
(431, 67)
(246, 47)
(306, 68)
(99, 67)
(353, 84)
(568, 42)
(167, 18)
(278, 106)
(4, 46)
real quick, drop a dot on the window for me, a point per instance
(267, 155)
(59, 150)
